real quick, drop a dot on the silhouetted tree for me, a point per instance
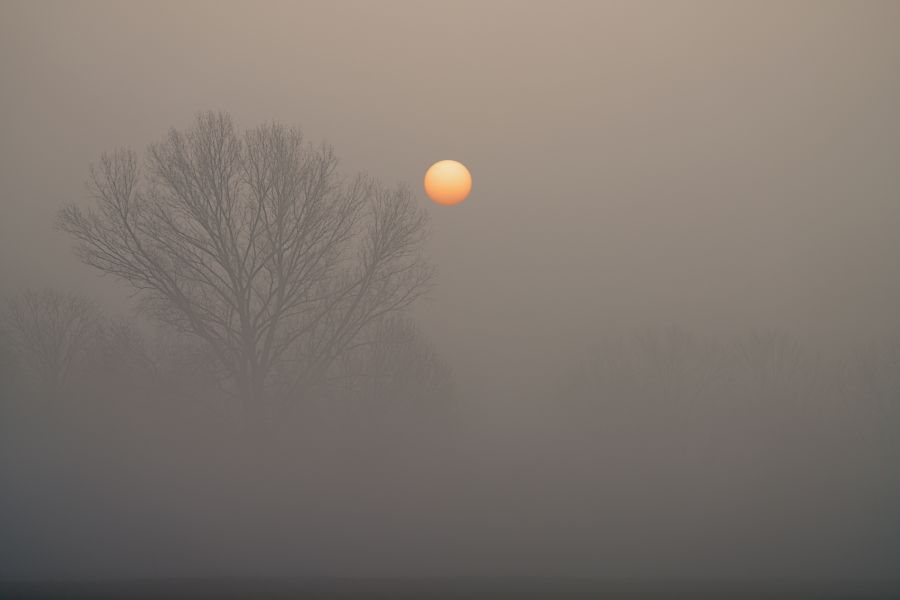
(774, 361)
(50, 332)
(156, 362)
(393, 362)
(665, 366)
(255, 244)
(872, 373)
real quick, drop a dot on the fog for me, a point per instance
(660, 338)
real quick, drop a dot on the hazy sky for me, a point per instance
(717, 165)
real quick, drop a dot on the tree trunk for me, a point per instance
(254, 405)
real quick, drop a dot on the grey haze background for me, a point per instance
(719, 166)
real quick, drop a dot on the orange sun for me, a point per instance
(448, 182)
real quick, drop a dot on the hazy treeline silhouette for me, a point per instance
(762, 451)
(60, 348)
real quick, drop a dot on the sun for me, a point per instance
(448, 182)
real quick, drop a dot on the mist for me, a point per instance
(659, 340)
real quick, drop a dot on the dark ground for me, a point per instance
(446, 588)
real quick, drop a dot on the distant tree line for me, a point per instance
(766, 379)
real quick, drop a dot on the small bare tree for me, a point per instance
(392, 361)
(255, 244)
(50, 332)
(157, 362)
(774, 361)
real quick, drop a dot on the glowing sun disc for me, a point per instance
(448, 182)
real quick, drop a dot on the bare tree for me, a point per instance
(50, 332)
(255, 244)
(774, 361)
(873, 374)
(393, 362)
(158, 362)
(670, 365)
